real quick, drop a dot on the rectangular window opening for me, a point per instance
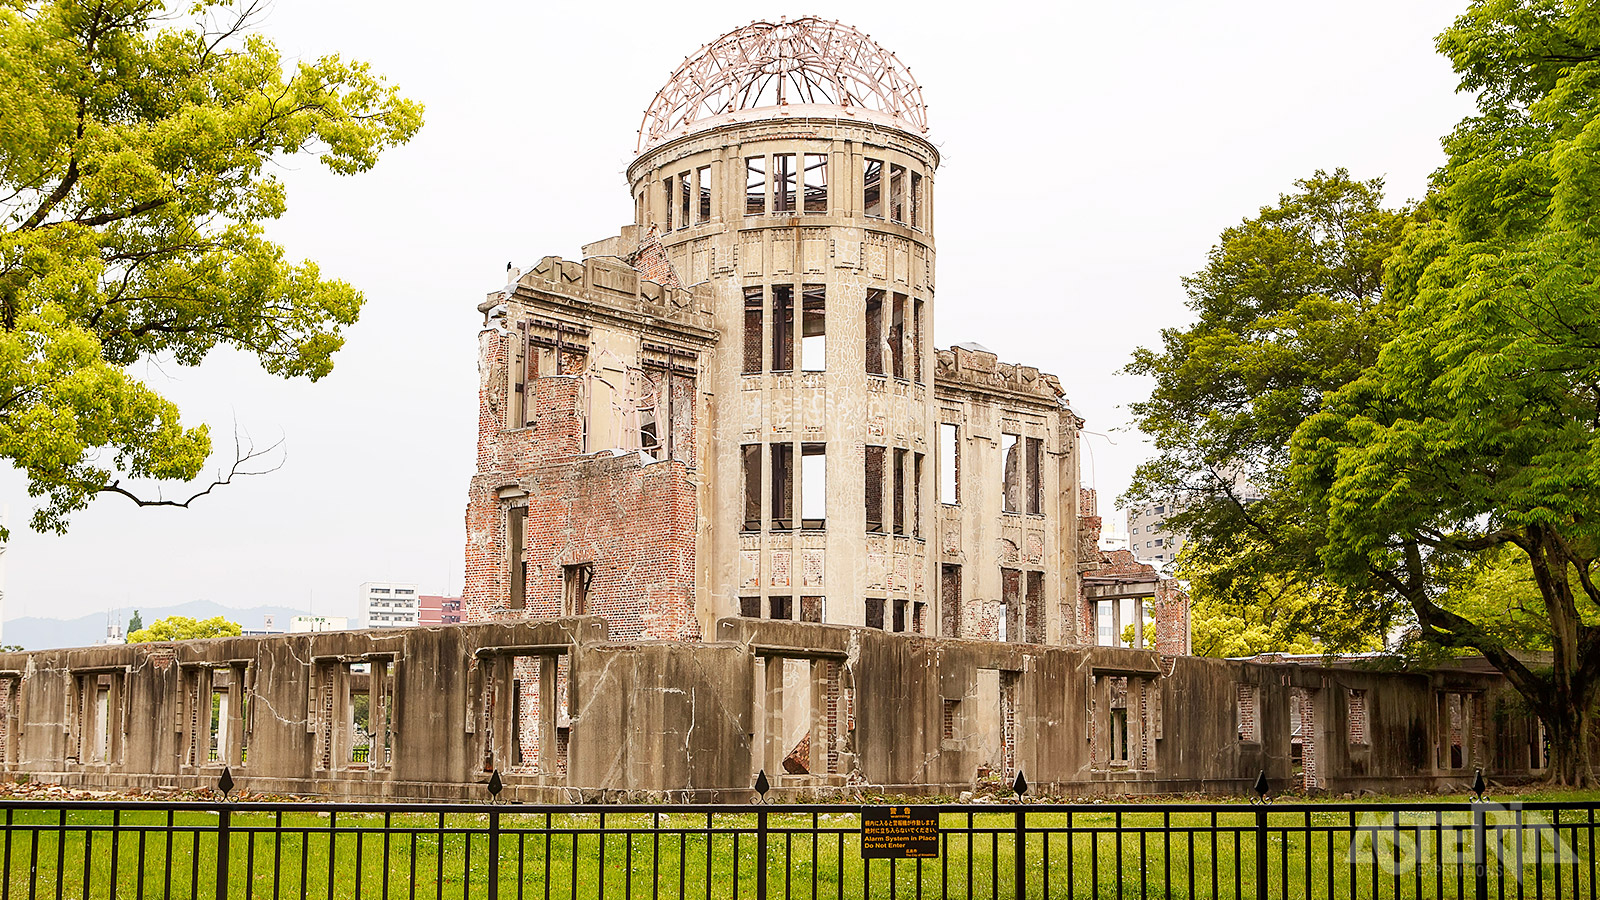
(950, 601)
(782, 486)
(816, 182)
(1011, 478)
(1249, 714)
(755, 185)
(813, 328)
(575, 582)
(750, 607)
(900, 463)
(685, 198)
(753, 320)
(916, 340)
(874, 475)
(702, 178)
(1011, 599)
(813, 485)
(899, 615)
(916, 495)
(780, 607)
(813, 609)
(782, 327)
(517, 527)
(752, 486)
(1035, 448)
(897, 193)
(949, 464)
(918, 625)
(783, 187)
(952, 709)
(875, 347)
(875, 612)
(916, 200)
(872, 189)
(897, 337)
(1357, 713)
(1034, 607)
(666, 203)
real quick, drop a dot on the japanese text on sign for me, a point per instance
(899, 832)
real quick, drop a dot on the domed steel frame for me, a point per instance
(767, 64)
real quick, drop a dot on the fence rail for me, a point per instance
(245, 851)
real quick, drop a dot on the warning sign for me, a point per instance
(899, 832)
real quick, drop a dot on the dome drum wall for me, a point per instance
(803, 225)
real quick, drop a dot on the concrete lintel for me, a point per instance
(524, 650)
(797, 652)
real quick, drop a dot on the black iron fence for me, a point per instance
(219, 851)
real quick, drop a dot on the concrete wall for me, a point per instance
(820, 707)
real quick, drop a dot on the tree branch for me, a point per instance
(241, 456)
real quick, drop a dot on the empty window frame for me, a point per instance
(782, 486)
(755, 185)
(780, 607)
(1249, 714)
(900, 462)
(1119, 736)
(918, 617)
(900, 615)
(897, 193)
(813, 609)
(685, 198)
(875, 345)
(813, 328)
(750, 607)
(575, 582)
(1033, 607)
(916, 340)
(1356, 715)
(875, 612)
(949, 464)
(524, 369)
(873, 483)
(1011, 599)
(1035, 455)
(897, 337)
(916, 494)
(516, 538)
(816, 183)
(916, 201)
(872, 188)
(752, 486)
(950, 601)
(702, 190)
(666, 202)
(782, 327)
(785, 179)
(1011, 477)
(813, 485)
(753, 319)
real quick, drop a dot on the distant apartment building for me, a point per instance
(1148, 536)
(389, 604)
(1153, 541)
(435, 609)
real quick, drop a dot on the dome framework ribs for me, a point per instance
(808, 61)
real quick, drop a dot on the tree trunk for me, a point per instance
(1571, 734)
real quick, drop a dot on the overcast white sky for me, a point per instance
(1092, 154)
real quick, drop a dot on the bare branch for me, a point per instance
(242, 455)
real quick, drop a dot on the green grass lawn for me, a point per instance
(294, 854)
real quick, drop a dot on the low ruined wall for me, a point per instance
(564, 713)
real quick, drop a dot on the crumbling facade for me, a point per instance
(734, 407)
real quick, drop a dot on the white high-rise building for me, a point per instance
(389, 604)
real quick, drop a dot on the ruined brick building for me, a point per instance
(735, 408)
(733, 511)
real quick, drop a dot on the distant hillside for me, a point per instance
(37, 633)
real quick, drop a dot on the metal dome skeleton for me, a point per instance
(808, 61)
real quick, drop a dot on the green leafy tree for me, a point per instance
(135, 622)
(133, 185)
(1478, 428)
(1289, 305)
(184, 628)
